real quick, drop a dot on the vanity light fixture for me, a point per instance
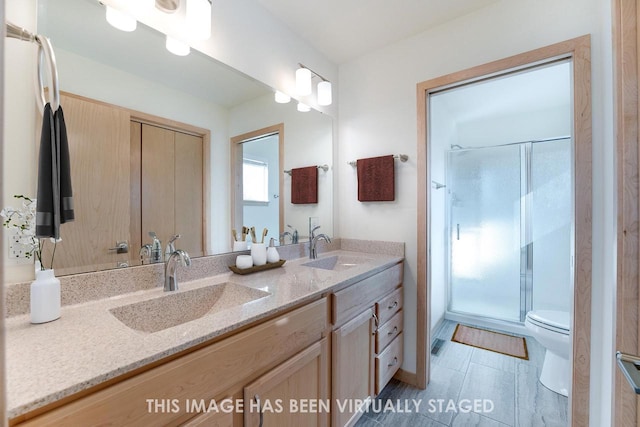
(303, 108)
(282, 98)
(303, 85)
(303, 81)
(177, 47)
(121, 20)
(324, 93)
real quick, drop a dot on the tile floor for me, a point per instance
(462, 372)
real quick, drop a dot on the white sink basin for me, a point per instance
(176, 308)
(337, 262)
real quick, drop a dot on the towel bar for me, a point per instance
(323, 167)
(45, 52)
(402, 157)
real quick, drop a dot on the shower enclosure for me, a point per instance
(510, 229)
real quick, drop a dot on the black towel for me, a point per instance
(55, 196)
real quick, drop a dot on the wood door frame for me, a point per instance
(579, 49)
(235, 173)
(627, 126)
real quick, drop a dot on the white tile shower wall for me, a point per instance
(378, 116)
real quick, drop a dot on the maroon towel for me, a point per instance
(376, 179)
(304, 185)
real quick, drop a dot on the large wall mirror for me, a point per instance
(173, 101)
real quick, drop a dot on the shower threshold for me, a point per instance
(487, 322)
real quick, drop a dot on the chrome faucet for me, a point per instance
(145, 254)
(313, 241)
(171, 247)
(170, 278)
(294, 235)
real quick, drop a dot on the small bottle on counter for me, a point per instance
(272, 252)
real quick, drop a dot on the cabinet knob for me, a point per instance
(395, 329)
(392, 306)
(394, 362)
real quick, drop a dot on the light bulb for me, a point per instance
(303, 81)
(282, 98)
(177, 47)
(303, 108)
(198, 18)
(121, 20)
(324, 93)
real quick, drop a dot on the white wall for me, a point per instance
(378, 116)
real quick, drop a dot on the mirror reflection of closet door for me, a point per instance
(170, 187)
(98, 137)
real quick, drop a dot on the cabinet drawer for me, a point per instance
(388, 306)
(349, 302)
(387, 332)
(388, 363)
(202, 374)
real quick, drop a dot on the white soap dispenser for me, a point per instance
(272, 252)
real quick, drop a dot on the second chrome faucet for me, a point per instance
(313, 242)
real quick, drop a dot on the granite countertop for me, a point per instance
(89, 345)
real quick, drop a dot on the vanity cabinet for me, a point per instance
(366, 342)
(276, 356)
(295, 394)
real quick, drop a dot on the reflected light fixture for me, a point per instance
(198, 18)
(121, 20)
(303, 108)
(177, 47)
(282, 98)
(303, 85)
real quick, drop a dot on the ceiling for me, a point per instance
(346, 29)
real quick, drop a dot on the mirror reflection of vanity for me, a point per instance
(133, 72)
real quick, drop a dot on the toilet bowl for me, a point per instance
(551, 329)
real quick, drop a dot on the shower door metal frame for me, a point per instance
(526, 232)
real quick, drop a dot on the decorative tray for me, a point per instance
(256, 268)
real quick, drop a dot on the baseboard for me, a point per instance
(406, 377)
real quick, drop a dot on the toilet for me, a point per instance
(551, 329)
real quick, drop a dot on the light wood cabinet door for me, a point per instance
(157, 182)
(188, 198)
(352, 374)
(171, 182)
(98, 137)
(295, 393)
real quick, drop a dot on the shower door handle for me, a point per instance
(630, 366)
(458, 231)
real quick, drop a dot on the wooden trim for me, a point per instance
(406, 377)
(236, 171)
(579, 50)
(626, 82)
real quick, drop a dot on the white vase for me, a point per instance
(45, 297)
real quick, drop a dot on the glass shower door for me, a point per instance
(484, 233)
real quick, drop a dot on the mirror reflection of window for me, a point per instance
(255, 181)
